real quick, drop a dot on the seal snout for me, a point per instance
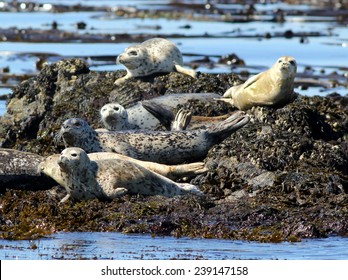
(62, 160)
(119, 59)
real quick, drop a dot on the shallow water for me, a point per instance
(92, 245)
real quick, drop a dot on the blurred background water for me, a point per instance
(320, 55)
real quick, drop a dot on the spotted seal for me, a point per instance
(85, 179)
(273, 87)
(168, 147)
(155, 55)
(115, 118)
(155, 113)
(49, 166)
(23, 170)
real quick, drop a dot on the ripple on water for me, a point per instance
(97, 245)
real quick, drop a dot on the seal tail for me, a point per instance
(224, 129)
(164, 115)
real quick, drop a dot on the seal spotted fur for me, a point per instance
(168, 147)
(104, 179)
(155, 55)
(155, 113)
(115, 118)
(49, 166)
(273, 87)
(18, 170)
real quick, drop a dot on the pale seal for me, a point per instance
(273, 87)
(104, 179)
(115, 117)
(169, 147)
(155, 55)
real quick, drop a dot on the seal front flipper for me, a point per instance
(164, 115)
(124, 148)
(118, 192)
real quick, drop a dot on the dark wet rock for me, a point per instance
(231, 59)
(68, 89)
(284, 176)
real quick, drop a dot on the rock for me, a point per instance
(284, 176)
(68, 89)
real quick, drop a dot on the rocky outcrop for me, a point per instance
(284, 176)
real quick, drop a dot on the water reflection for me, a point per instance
(91, 245)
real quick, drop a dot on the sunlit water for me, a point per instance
(119, 246)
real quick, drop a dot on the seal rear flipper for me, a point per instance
(224, 129)
(186, 170)
(185, 71)
(182, 120)
(164, 115)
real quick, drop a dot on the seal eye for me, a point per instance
(280, 61)
(116, 108)
(292, 62)
(74, 155)
(133, 53)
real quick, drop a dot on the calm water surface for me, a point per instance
(119, 246)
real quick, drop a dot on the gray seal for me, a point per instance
(85, 179)
(273, 87)
(155, 55)
(168, 147)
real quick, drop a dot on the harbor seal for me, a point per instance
(115, 118)
(155, 55)
(156, 113)
(168, 147)
(104, 179)
(49, 166)
(273, 87)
